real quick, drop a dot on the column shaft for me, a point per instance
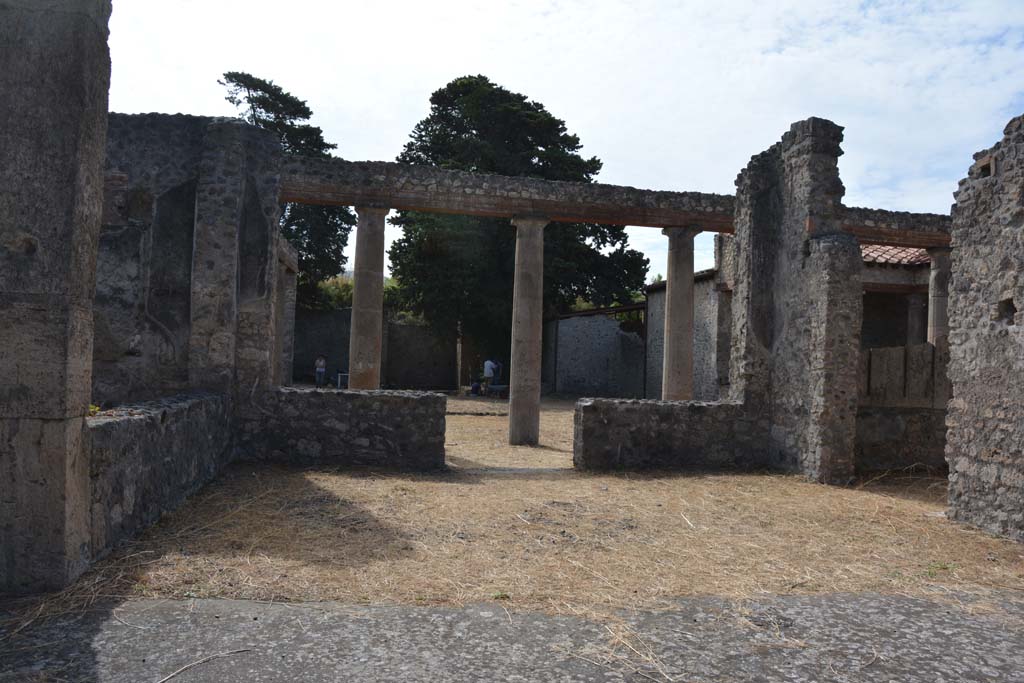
(677, 364)
(938, 296)
(527, 324)
(365, 340)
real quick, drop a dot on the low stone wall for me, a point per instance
(146, 459)
(399, 430)
(898, 438)
(632, 435)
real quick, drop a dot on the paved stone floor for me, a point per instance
(798, 638)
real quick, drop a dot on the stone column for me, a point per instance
(938, 295)
(365, 339)
(917, 319)
(527, 328)
(53, 125)
(677, 362)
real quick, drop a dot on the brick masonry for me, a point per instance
(985, 441)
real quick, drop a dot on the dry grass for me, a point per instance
(518, 524)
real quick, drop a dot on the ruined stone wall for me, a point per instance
(145, 459)
(597, 358)
(142, 311)
(796, 310)
(54, 82)
(900, 438)
(188, 284)
(985, 448)
(634, 435)
(398, 430)
(797, 302)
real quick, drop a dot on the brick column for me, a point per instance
(365, 340)
(53, 124)
(527, 329)
(917, 318)
(938, 296)
(677, 362)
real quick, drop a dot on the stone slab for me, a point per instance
(798, 639)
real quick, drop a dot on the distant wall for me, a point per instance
(321, 333)
(595, 357)
(416, 358)
(412, 356)
(398, 430)
(145, 459)
(711, 326)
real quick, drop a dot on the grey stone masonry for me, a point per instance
(188, 290)
(985, 439)
(397, 430)
(796, 324)
(53, 122)
(424, 188)
(797, 302)
(404, 186)
(878, 226)
(616, 434)
(145, 459)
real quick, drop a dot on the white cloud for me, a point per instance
(670, 95)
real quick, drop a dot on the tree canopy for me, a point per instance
(457, 271)
(319, 233)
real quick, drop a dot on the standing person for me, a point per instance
(320, 368)
(489, 367)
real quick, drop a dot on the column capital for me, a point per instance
(939, 251)
(528, 222)
(368, 211)
(682, 231)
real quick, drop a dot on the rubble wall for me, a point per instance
(145, 459)
(985, 440)
(396, 430)
(797, 303)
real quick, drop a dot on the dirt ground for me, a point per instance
(520, 525)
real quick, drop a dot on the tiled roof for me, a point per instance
(894, 256)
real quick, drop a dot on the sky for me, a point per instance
(669, 95)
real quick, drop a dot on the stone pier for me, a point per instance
(364, 350)
(677, 364)
(53, 123)
(938, 295)
(527, 326)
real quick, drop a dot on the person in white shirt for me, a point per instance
(489, 367)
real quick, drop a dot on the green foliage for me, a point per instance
(336, 292)
(319, 233)
(457, 271)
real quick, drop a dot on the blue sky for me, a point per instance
(669, 95)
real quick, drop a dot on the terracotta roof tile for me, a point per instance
(894, 256)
